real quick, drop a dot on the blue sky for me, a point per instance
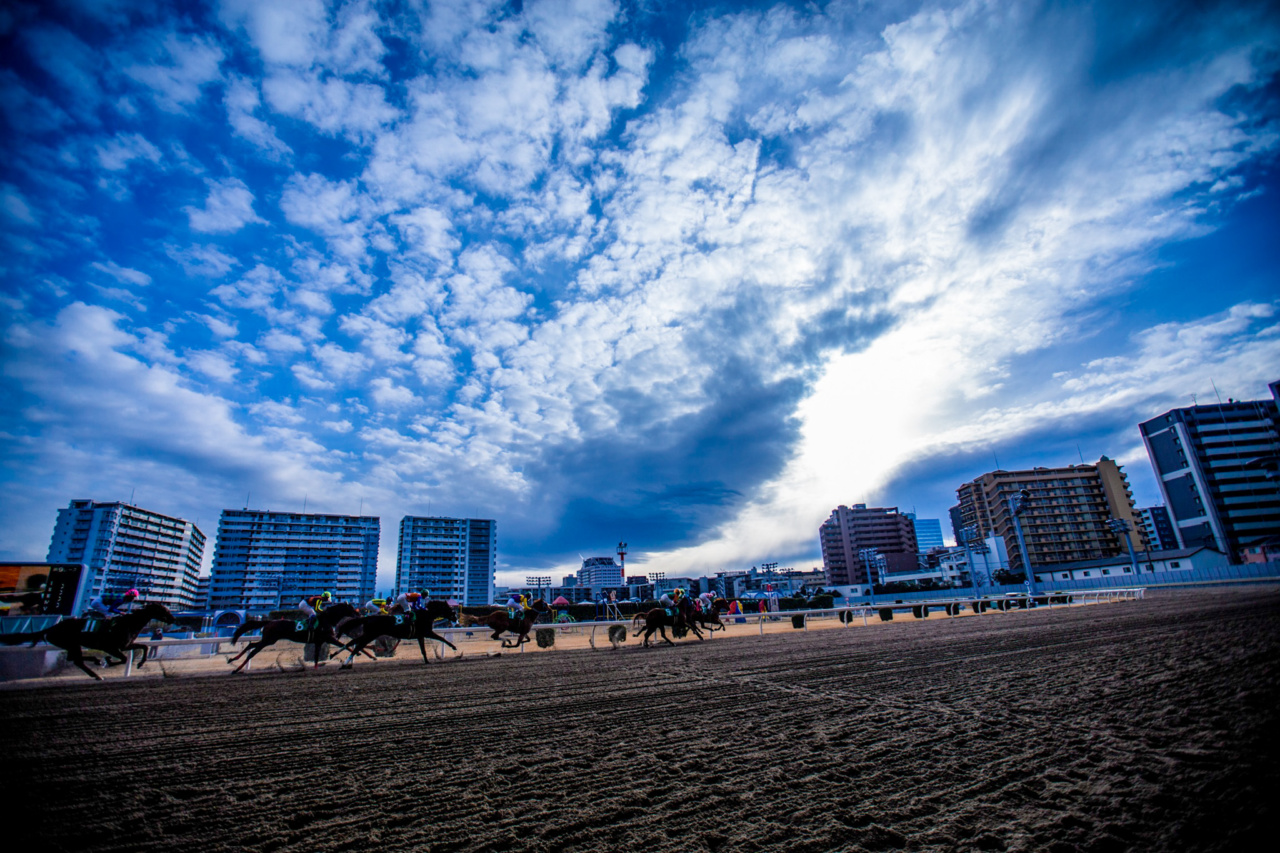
(688, 275)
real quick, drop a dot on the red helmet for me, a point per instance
(133, 593)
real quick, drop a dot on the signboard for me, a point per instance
(30, 588)
(63, 589)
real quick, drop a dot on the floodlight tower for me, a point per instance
(1118, 526)
(1017, 506)
(622, 559)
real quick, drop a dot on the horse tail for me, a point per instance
(635, 620)
(32, 637)
(467, 620)
(247, 626)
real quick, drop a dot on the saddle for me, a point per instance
(405, 619)
(671, 612)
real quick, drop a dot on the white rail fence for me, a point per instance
(953, 607)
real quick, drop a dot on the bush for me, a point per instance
(886, 614)
(846, 616)
(546, 637)
(822, 602)
(797, 621)
(617, 634)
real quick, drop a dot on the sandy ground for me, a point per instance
(1144, 725)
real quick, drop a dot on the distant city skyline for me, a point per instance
(681, 275)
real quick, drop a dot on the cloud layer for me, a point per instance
(600, 272)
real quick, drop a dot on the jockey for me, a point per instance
(376, 607)
(312, 605)
(105, 606)
(516, 604)
(423, 598)
(407, 601)
(707, 598)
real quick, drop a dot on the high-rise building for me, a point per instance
(928, 532)
(1065, 517)
(125, 547)
(1158, 526)
(267, 560)
(449, 557)
(600, 571)
(860, 542)
(1217, 469)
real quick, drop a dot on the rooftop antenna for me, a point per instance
(997, 458)
(361, 506)
(304, 504)
(246, 499)
(1081, 452)
(132, 492)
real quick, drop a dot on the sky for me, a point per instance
(683, 274)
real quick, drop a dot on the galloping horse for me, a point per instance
(499, 623)
(113, 637)
(657, 619)
(415, 623)
(710, 619)
(297, 630)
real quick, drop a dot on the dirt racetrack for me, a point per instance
(1146, 725)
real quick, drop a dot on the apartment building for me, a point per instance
(266, 560)
(1218, 468)
(862, 545)
(124, 546)
(1066, 517)
(450, 557)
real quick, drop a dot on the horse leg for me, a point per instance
(252, 649)
(132, 647)
(433, 635)
(76, 655)
(663, 631)
(354, 648)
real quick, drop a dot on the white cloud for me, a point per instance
(122, 274)
(227, 209)
(119, 153)
(213, 364)
(14, 206)
(386, 393)
(242, 103)
(192, 63)
(205, 261)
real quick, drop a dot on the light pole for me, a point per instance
(1017, 506)
(1118, 526)
(870, 557)
(967, 534)
(538, 581)
(622, 559)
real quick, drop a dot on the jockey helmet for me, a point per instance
(326, 595)
(133, 593)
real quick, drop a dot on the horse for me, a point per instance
(288, 629)
(499, 623)
(113, 637)
(415, 623)
(710, 619)
(657, 619)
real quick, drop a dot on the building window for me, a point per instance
(1086, 574)
(1175, 564)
